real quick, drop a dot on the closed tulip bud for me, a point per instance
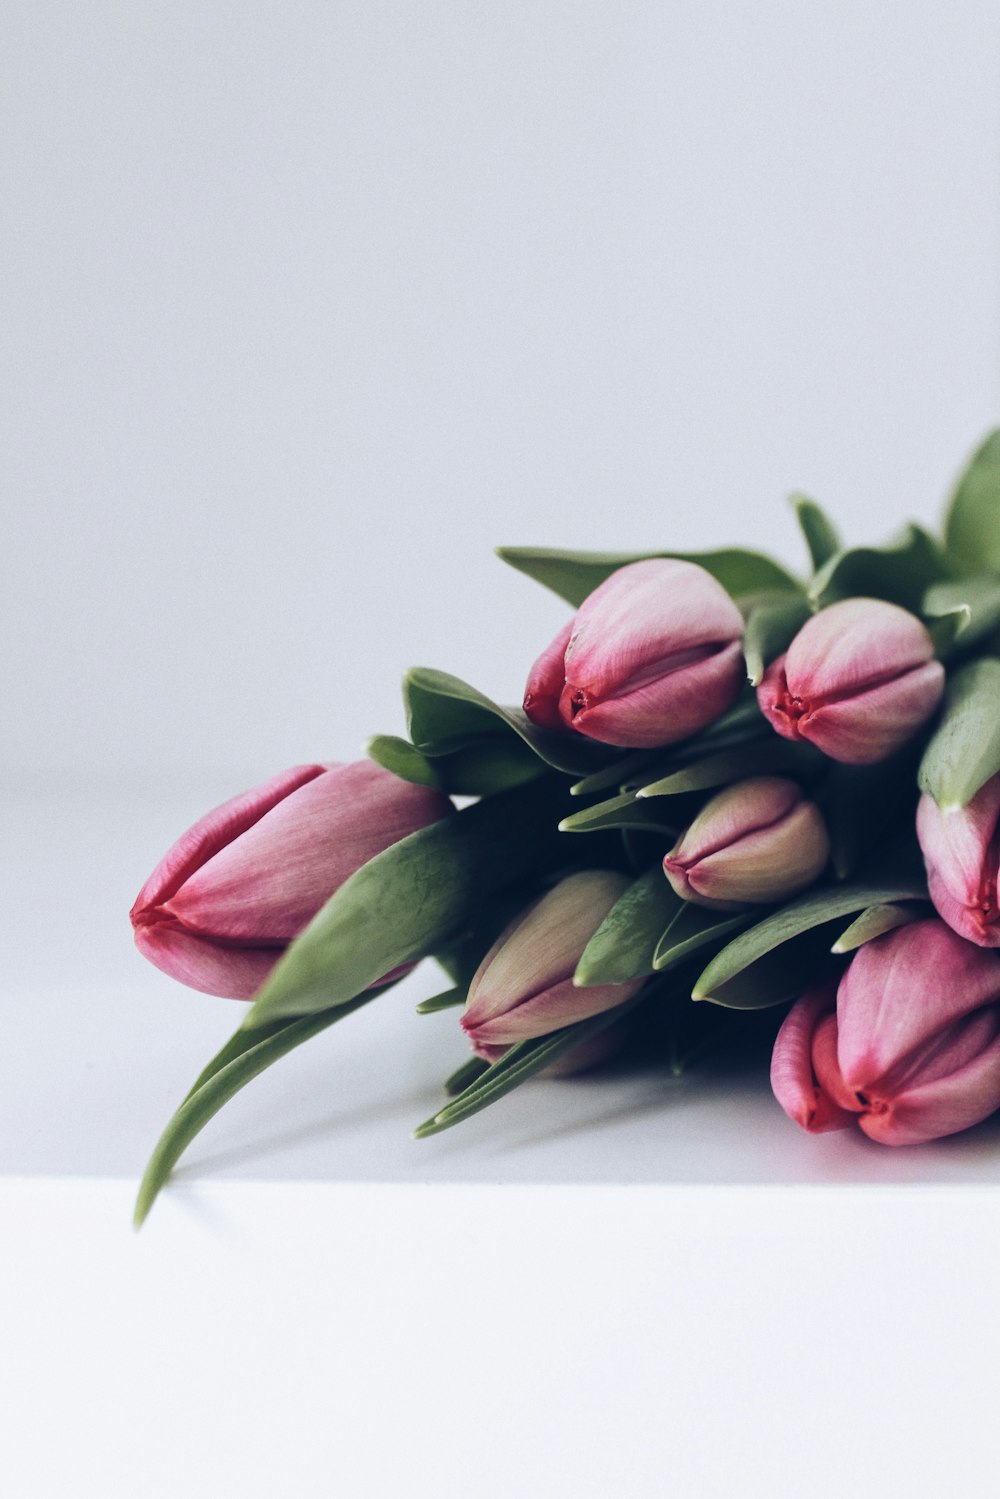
(857, 681)
(910, 1050)
(961, 849)
(225, 902)
(524, 985)
(652, 656)
(757, 841)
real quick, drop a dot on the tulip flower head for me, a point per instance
(524, 985)
(910, 1047)
(652, 656)
(857, 681)
(219, 910)
(759, 840)
(961, 848)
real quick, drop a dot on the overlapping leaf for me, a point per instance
(964, 751)
(574, 575)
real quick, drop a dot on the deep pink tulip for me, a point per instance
(857, 681)
(961, 849)
(652, 656)
(222, 906)
(524, 985)
(910, 1050)
(759, 840)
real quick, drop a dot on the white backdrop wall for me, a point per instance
(307, 305)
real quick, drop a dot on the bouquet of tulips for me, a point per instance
(726, 784)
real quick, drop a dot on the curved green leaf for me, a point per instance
(772, 756)
(819, 531)
(964, 751)
(448, 999)
(243, 1058)
(972, 521)
(574, 575)
(480, 768)
(900, 572)
(693, 928)
(463, 1076)
(623, 946)
(771, 626)
(412, 898)
(404, 760)
(968, 608)
(624, 811)
(741, 975)
(874, 922)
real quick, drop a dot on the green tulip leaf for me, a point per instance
(963, 611)
(772, 756)
(244, 1057)
(901, 572)
(624, 811)
(874, 922)
(772, 624)
(693, 928)
(819, 531)
(972, 522)
(613, 776)
(774, 959)
(622, 948)
(465, 1075)
(445, 714)
(964, 751)
(448, 999)
(412, 899)
(481, 768)
(574, 575)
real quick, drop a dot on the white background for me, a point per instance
(304, 308)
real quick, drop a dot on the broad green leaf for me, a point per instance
(411, 899)
(819, 531)
(964, 751)
(574, 575)
(874, 922)
(448, 999)
(622, 948)
(771, 626)
(972, 522)
(900, 572)
(463, 1076)
(515, 1067)
(772, 756)
(243, 1058)
(755, 970)
(613, 775)
(446, 714)
(624, 811)
(480, 768)
(693, 928)
(969, 608)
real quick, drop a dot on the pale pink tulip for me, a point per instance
(225, 902)
(911, 1051)
(524, 985)
(961, 848)
(652, 656)
(857, 681)
(759, 840)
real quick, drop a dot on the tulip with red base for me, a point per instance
(908, 1048)
(219, 910)
(858, 681)
(961, 849)
(652, 656)
(524, 986)
(759, 840)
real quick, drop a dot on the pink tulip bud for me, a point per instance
(857, 681)
(961, 848)
(652, 656)
(225, 902)
(524, 985)
(757, 841)
(912, 1049)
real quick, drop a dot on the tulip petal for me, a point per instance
(943, 1107)
(545, 1011)
(793, 1080)
(853, 645)
(677, 703)
(961, 848)
(229, 972)
(768, 864)
(871, 724)
(548, 676)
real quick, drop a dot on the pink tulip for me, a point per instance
(857, 681)
(759, 840)
(961, 849)
(652, 656)
(222, 906)
(524, 985)
(910, 1049)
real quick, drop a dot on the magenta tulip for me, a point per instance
(225, 902)
(652, 656)
(961, 848)
(759, 840)
(910, 1048)
(524, 986)
(857, 681)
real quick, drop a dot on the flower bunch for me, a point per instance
(726, 783)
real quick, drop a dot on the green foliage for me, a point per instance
(972, 520)
(964, 751)
(625, 943)
(900, 572)
(574, 575)
(818, 529)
